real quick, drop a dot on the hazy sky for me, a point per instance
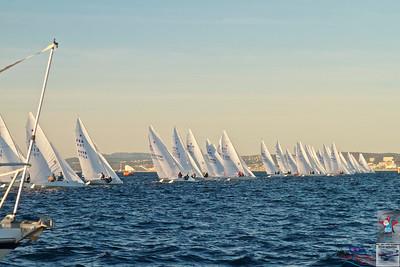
(315, 71)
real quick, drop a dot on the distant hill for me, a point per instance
(142, 161)
(136, 160)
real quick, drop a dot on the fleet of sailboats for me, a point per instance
(185, 162)
(188, 162)
(306, 161)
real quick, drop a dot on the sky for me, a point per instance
(310, 71)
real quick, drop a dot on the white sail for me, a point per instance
(327, 159)
(345, 164)
(318, 161)
(281, 160)
(291, 163)
(267, 160)
(232, 163)
(321, 159)
(357, 164)
(39, 171)
(9, 153)
(214, 159)
(303, 163)
(95, 168)
(48, 167)
(166, 165)
(338, 166)
(196, 153)
(313, 160)
(364, 164)
(219, 148)
(183, 157)
(246, 169)
(352, 167)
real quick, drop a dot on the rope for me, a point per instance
(54, 44)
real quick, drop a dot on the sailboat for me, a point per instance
(355, 163)
(196, 153)
(315, 164)
(303, 162)
(214, 160)
(337, 165)
(267, 161)
(167, 167)
(347, 168)
(48, 168)
(233, 164)
(327, 160)
(9, 153)
(292, 164)
(282, 163)
(364, 164)
(95, 168)
(317, 159)
(181, 154)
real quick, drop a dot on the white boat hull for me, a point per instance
(172, 180)
(55, 184)
(101, 182)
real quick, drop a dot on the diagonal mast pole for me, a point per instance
(32, 141)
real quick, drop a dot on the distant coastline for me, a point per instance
(142, 162)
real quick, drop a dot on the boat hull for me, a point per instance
(55, 184)
(13, 233)
(101, 182)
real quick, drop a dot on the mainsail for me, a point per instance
(317, 160)
(166, 165)
(345, 164)
(183, 157)
(9, 153)
(303, 163)
(364, 164)
(95, 168)
(214, 160)
(313, 160)
(48, 167)
(291, 163)
(355, 163)
(232, 163)
(281, 160)
(267, 160)
(196, 153)
(327, 160)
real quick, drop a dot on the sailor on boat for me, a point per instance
(28, 178)
(60, 177)
(52, 178)
(108, 179)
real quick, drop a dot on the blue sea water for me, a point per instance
(288, 221)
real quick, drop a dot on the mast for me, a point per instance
(32, 141)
